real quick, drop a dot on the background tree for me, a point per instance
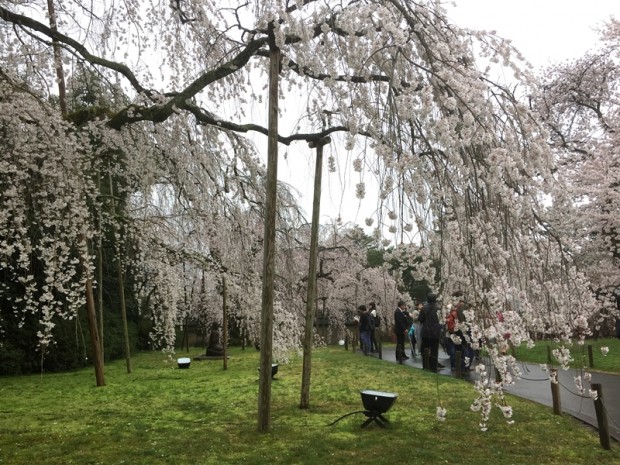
(45, 222)
(579, 103)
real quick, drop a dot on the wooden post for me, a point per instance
(121, 286)
(185, 340)
(379, 338)
(269, 239)
(91, 312)
(590, 356)
(121, 293)
(224, 324)
(311, 294)
(601, 417)
(100, 279)
(549, 358)
(426, 358)
(457, 364)
(94, 334)
(555, 392)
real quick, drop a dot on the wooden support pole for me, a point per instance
(590, 356)
(224, 324)
(311, 294)
(426, 358)
(269, 240)
(457, 364)
(94, 334)
(91, 312)
(601, 417)
(121, 288)
(555, 392)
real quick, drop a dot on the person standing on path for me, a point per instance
(418, 326)
(431, 332)
(400, 330)
(375, 322)
(412, 339)
(365, 327)
(457, 339)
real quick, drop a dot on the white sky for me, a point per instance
(545, 31)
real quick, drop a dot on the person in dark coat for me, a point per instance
(374, 324)
(431, 332)
(400, 330)
(365, 327)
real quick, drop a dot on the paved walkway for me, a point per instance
(535, 385)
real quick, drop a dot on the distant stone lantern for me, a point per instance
(214, 346)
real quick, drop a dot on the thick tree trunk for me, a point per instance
(60, 73)
(269, 239)
(311, 296)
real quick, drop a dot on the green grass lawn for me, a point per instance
(580, 354)
(161, 414)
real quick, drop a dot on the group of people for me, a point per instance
(432, 331)
(422, 325)
(368, 323)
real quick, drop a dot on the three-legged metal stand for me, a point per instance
(376, 417)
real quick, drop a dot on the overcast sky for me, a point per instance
(545, 31)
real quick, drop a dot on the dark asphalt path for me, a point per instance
(535, 385)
